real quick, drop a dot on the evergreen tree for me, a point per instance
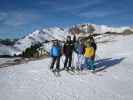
(32, 51)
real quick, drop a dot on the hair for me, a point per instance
(55, 41)
(69, 36)
(91, 39)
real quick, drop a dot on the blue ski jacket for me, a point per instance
(55, 51)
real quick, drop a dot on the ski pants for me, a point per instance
(57, 61)
(89, 64)
(80, 60)
(93, 57)
(68, 61)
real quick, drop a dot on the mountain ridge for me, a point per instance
(52, 33)
(60, 33)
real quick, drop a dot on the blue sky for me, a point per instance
(19, 17)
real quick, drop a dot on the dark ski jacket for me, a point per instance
(68, 48)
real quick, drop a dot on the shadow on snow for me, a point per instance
(103, 64)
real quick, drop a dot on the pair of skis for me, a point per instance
(86, 72)
(97, 72)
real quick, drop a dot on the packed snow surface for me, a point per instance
(34, 80)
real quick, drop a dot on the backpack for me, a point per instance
(89, 52)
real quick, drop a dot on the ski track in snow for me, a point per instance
(34, 80)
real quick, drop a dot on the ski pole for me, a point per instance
(98, 57)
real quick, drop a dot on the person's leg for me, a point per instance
(89, 63)
(78, 62)
(66, 61)
(85, 64)
(93, 57)
(82, 62)
(92, 65)
(58, 63)
(53, 62)
(70, 61)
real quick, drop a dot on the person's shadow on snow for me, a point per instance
(103, 64)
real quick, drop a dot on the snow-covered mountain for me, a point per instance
(41, 36)
(104, 28)
(60, 33)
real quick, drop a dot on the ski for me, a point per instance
(87, 72)
(70, 72)
(56, 73)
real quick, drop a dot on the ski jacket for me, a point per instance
(68, 48)
(55, 51)
(89, 52)
(79, 48)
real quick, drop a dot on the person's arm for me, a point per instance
(72, 45)
(96, 46)
(63, 49)
(75, 47)
(74, 39)
(51, 52)
(61, 52)
(84, 49)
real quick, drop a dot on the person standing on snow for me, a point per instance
(80, 50)
(68, 49)
(55, 54)
(89, 53)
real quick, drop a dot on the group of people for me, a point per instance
(85, 50)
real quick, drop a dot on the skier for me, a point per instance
(89, 52)
(55, 54)
(68, 49)
(80, 50)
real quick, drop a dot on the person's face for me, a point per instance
(81, 42)
(92, 40)
(68, 39)
(55, 43)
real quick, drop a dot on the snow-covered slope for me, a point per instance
(104, 29)
(41, 36)
(34, 80)
(8, 50)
